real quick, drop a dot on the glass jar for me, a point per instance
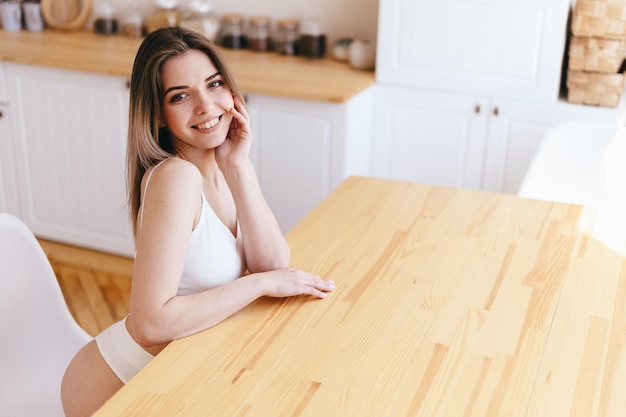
(312, 38)
(165, 15)
(132, 22)
(199, 17)
(287, 37)
(259, 34)
(232, 35)
(104, 22)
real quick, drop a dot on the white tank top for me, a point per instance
(214, 255)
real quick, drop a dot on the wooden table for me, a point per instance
(448, 303)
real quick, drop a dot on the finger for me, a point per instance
(239, 118)
(240, 107)
(320, 286)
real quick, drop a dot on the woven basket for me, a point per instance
(596, 54)
(594, 88)
(600, 18)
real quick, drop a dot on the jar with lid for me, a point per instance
(198, 16)
(232, 35)
(287, 37)
(259, 34)
(165, 15)
(312, 38)
(132, 21)
(104, 22)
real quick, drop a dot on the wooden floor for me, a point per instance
(96, 286)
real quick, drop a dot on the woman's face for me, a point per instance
(197, 102)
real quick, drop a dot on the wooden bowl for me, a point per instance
(66, 14)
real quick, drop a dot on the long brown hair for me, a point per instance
(147, 143)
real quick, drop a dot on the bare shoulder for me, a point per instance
(173, 176)
(171, 196)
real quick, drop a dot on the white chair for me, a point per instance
(39, 336)
(570, 164)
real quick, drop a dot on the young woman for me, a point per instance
(207, 244)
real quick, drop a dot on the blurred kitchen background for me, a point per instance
(337, 20)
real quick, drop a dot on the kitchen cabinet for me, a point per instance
(466, 91)
(431, 137)
(517, 128)
(8, 188)
(303, 149)
(497, 48)
(69, 145)
(69, 132)
(465, 141)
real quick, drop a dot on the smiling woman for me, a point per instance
(195, 113)
(206, 242)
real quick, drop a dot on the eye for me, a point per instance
(215, 83)
(178, 97)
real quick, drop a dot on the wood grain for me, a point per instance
(95, 285)
(261, 73)
(448, 303)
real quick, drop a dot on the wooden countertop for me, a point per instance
(449, 302)
(262, 73)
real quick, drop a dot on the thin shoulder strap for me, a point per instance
(144, 193)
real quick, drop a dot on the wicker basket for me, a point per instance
(600, 18)
(596, 54)
(594, 88)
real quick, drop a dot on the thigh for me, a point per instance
(88, 382)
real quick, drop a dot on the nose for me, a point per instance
(203, 103)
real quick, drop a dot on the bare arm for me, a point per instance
(264, 243)
(157, 314)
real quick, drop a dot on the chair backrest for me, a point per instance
(39, 336)
(569, 165)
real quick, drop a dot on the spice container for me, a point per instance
(199, 17)
(232, 35)
(312, 39)
(132, 22)
(259, 34)
(165, 15)
(287, 37)
(104, 22)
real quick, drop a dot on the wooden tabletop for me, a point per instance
(257, 72)
(448, 303)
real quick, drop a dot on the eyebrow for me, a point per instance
(181, 87)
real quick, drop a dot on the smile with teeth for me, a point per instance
(209, 124)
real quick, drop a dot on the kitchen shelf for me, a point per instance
(257, 72)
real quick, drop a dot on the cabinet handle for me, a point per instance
(128, 84)
(1, 114)
(477, 109)
(496, 111)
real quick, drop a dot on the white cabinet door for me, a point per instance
(4, 97)
(69, 130)
(8, 188)
(292, 152)
(497, 48)
(516, 130)
(434, 138)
